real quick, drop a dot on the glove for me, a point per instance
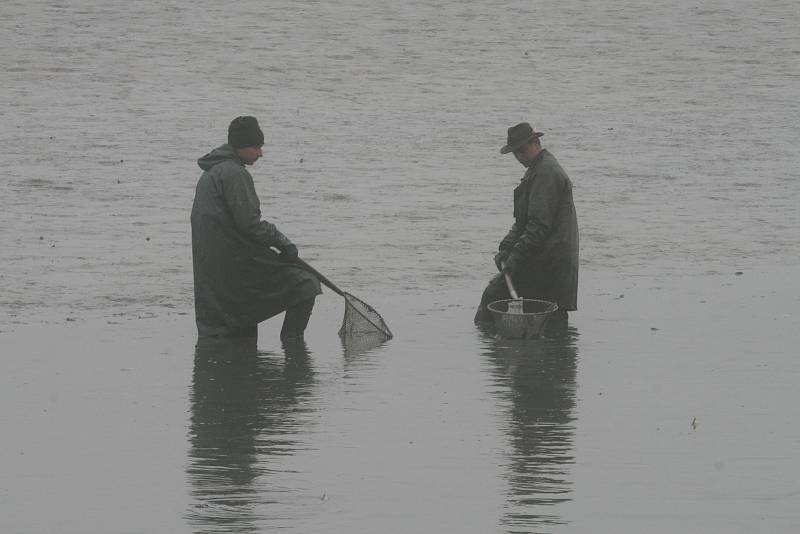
(499, 258)
(512, 262)
(288, 253)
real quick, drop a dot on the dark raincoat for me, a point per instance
(238, 279)
(545, 234)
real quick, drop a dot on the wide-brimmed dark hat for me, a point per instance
(518, 135)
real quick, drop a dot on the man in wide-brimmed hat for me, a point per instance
(540, 252)
(244, 270)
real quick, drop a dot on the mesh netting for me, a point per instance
(521, 318)
(361, 321)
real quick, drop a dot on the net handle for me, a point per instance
(508, 283)
(301, 263)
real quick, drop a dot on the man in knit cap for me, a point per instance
(244, 270)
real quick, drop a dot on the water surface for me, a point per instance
(669, 402)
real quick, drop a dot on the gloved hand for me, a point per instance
(288, 253)
(499, 258)
(512, 262)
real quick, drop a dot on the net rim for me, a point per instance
(551, 307)
(382, 329)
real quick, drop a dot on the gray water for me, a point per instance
(670, 402)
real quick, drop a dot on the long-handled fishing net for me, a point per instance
(361, 323)
(520, 318)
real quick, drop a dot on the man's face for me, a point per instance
(249, 154)
(526, 153)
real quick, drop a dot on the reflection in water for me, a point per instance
(245, 409)
(536, 379)
(355, 348)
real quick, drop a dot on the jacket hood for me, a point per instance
(217, 156)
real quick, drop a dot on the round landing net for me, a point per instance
(521, 318)
(361, 322)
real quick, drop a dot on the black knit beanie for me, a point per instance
(244, 132)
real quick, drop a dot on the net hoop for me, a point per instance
(376, 322)
(528, 324)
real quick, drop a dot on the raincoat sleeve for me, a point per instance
(543, 201)
(511, 237)
(245, 208)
